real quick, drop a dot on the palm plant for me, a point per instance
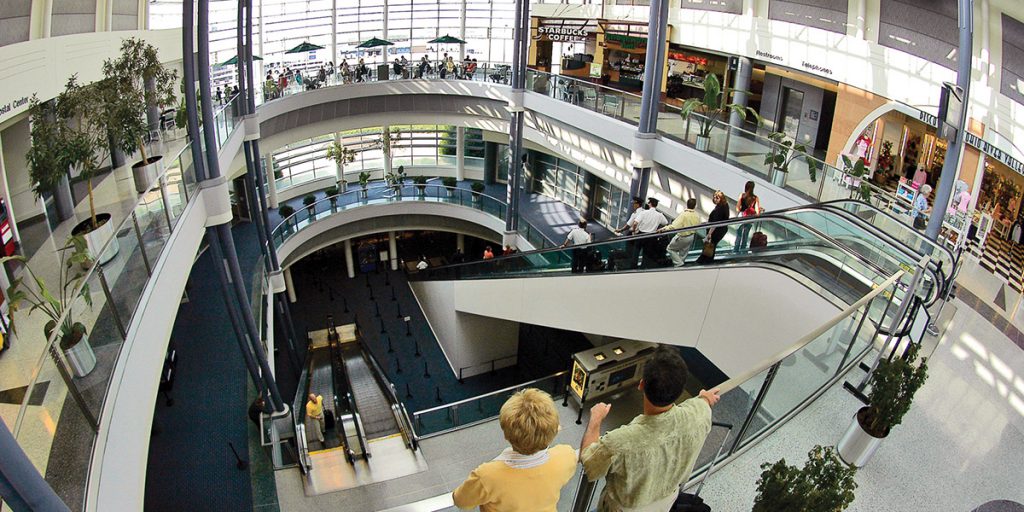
(55, 303)
(364, 179)
(785, 151)
(858, 170)
(711, 107)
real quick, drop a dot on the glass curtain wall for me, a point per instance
(416, 146)
(560, 179)
(279, 25)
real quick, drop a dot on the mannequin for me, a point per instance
(961, 197)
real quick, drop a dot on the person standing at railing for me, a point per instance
(578, 236)
(315, 417)
(643, 463)
(748, 205)
(680, 245)
(528, 476)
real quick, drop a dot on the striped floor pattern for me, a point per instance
(1001, 258)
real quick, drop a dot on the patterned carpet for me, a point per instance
(1001, 258)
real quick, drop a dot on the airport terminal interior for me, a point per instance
(291, 255)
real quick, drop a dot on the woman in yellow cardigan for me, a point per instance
(529, 476)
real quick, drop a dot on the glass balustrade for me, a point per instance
(327, 207)
(59, 419)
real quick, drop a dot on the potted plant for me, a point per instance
(54, 304)
(332, 196)
(395, 180)
(784, 152)
(310, 203)
(85, 139)
(893, 385)
(449, 184)
(47, 156)
(478, 188)
(824, 484)
(858, 171)
(710, 108)
(421, 184)
(340, 155)
(286, 212)
(134, 83)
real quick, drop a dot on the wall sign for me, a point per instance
(562, 33)
(6, 108)
(979, 144)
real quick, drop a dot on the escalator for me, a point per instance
(375, 409)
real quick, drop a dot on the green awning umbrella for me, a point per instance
(374, 42)
(447, 39)
(234, 60)
(306, 46)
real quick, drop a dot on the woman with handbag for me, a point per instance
(715, 235)
(748, 205)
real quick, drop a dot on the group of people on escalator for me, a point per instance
(650, 252)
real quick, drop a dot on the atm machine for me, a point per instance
(607, 369)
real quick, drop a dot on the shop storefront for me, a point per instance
(564, 46)
(999, 200)
(687, 69)
(899, 147)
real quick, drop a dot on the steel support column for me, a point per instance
(657, 42)
(951, 166)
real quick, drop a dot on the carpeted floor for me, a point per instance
(191, 465)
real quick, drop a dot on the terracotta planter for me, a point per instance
(703, 143)
(81, 357)
(857, 446)
(95, 238)
(146, 173)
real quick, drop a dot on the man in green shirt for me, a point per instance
(644, 462)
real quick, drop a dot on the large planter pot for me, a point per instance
(421, 190)
(146, 173)
(450, 191)
(778, 177)
(363, 193)
(95, 238)
(80, 357)
(703, 143)
(858, 446)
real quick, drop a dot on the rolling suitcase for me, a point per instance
(687, 502)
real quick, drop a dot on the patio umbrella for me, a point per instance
(445, 39)
(374, 42)
(234, 60)
(306, 46)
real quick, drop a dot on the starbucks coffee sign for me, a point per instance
(562, 33)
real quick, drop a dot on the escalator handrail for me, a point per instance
(338, 422)
(354, 406)
(834, 204)
(389, 391)
(934, 265)
(422, 275)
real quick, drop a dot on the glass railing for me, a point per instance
(734, 145)
(464, 413)
(373, 166)
(757, 402)
(899, 230)
(788, 242)
(383, 195)
(494, 72)
(60, 416)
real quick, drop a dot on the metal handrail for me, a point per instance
(485, 395)
(770, 361)
(339, 423)
(485, 363)
(699, 227)
(389, 389)
(835, 204)
(355, 407)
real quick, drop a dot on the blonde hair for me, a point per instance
(529, 420)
